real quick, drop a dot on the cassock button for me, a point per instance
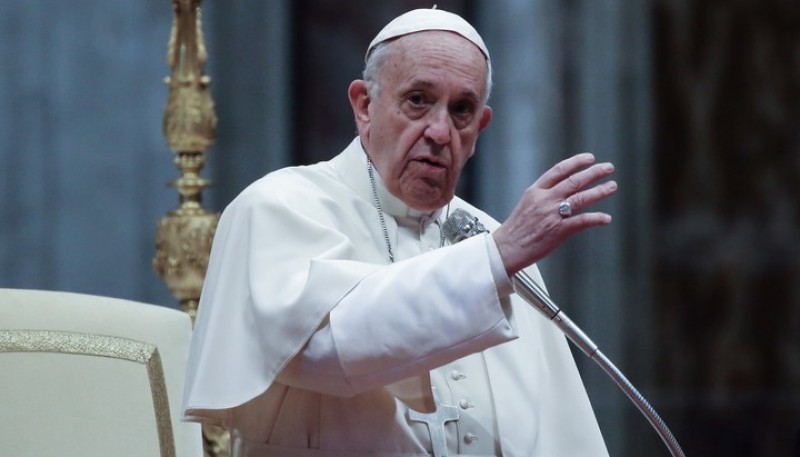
(457, 375)
(470, 438)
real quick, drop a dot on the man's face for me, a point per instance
(422, 127)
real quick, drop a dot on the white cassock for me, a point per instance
(309, 343)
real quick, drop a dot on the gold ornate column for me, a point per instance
(184, 236)
(183, 241)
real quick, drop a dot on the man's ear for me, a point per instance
(486, 116)
(358, 92)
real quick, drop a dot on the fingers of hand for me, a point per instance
(582, 221)
(564, 169)
(592, 195)
(535, 227)
(581, 179)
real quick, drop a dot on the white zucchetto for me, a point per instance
(421, 20)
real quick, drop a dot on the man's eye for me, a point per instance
(416, 99)
(463, 109)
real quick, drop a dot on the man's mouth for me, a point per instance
(432, 163)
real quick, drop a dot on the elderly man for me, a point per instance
(337, 321)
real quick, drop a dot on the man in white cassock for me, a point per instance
(337, 321)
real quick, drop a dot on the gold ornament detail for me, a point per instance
(183, 241)
(216, 441)
(190, 123)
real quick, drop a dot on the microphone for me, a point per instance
(462, 225)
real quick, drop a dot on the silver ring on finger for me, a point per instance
(564, 208)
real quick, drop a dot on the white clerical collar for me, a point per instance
(354, 170)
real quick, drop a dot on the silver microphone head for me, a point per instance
(461, 225)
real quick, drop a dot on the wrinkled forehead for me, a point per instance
(432, 61)
(421, 20)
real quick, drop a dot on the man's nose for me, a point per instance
(439, 126)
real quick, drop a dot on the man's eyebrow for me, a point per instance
(419, 84)
(471, 95)
(425, 84)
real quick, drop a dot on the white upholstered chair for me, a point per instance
(83, 375)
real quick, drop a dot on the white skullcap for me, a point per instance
(428, 19)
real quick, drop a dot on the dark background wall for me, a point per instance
(694, 291)
(727, 225)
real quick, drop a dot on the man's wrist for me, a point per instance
(501, 280)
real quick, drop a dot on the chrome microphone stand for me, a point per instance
(461, 225)
(527, 288)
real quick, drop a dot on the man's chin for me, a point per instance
(429, 200)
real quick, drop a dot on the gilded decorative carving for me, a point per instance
(216, 441)
(183, 241)
(189, 120)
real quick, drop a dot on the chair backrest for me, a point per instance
(83, 375)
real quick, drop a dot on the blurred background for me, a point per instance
(694, 291)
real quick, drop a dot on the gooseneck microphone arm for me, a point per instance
(461, 225)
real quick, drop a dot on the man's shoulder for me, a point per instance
(291, 187)
(288, 180)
